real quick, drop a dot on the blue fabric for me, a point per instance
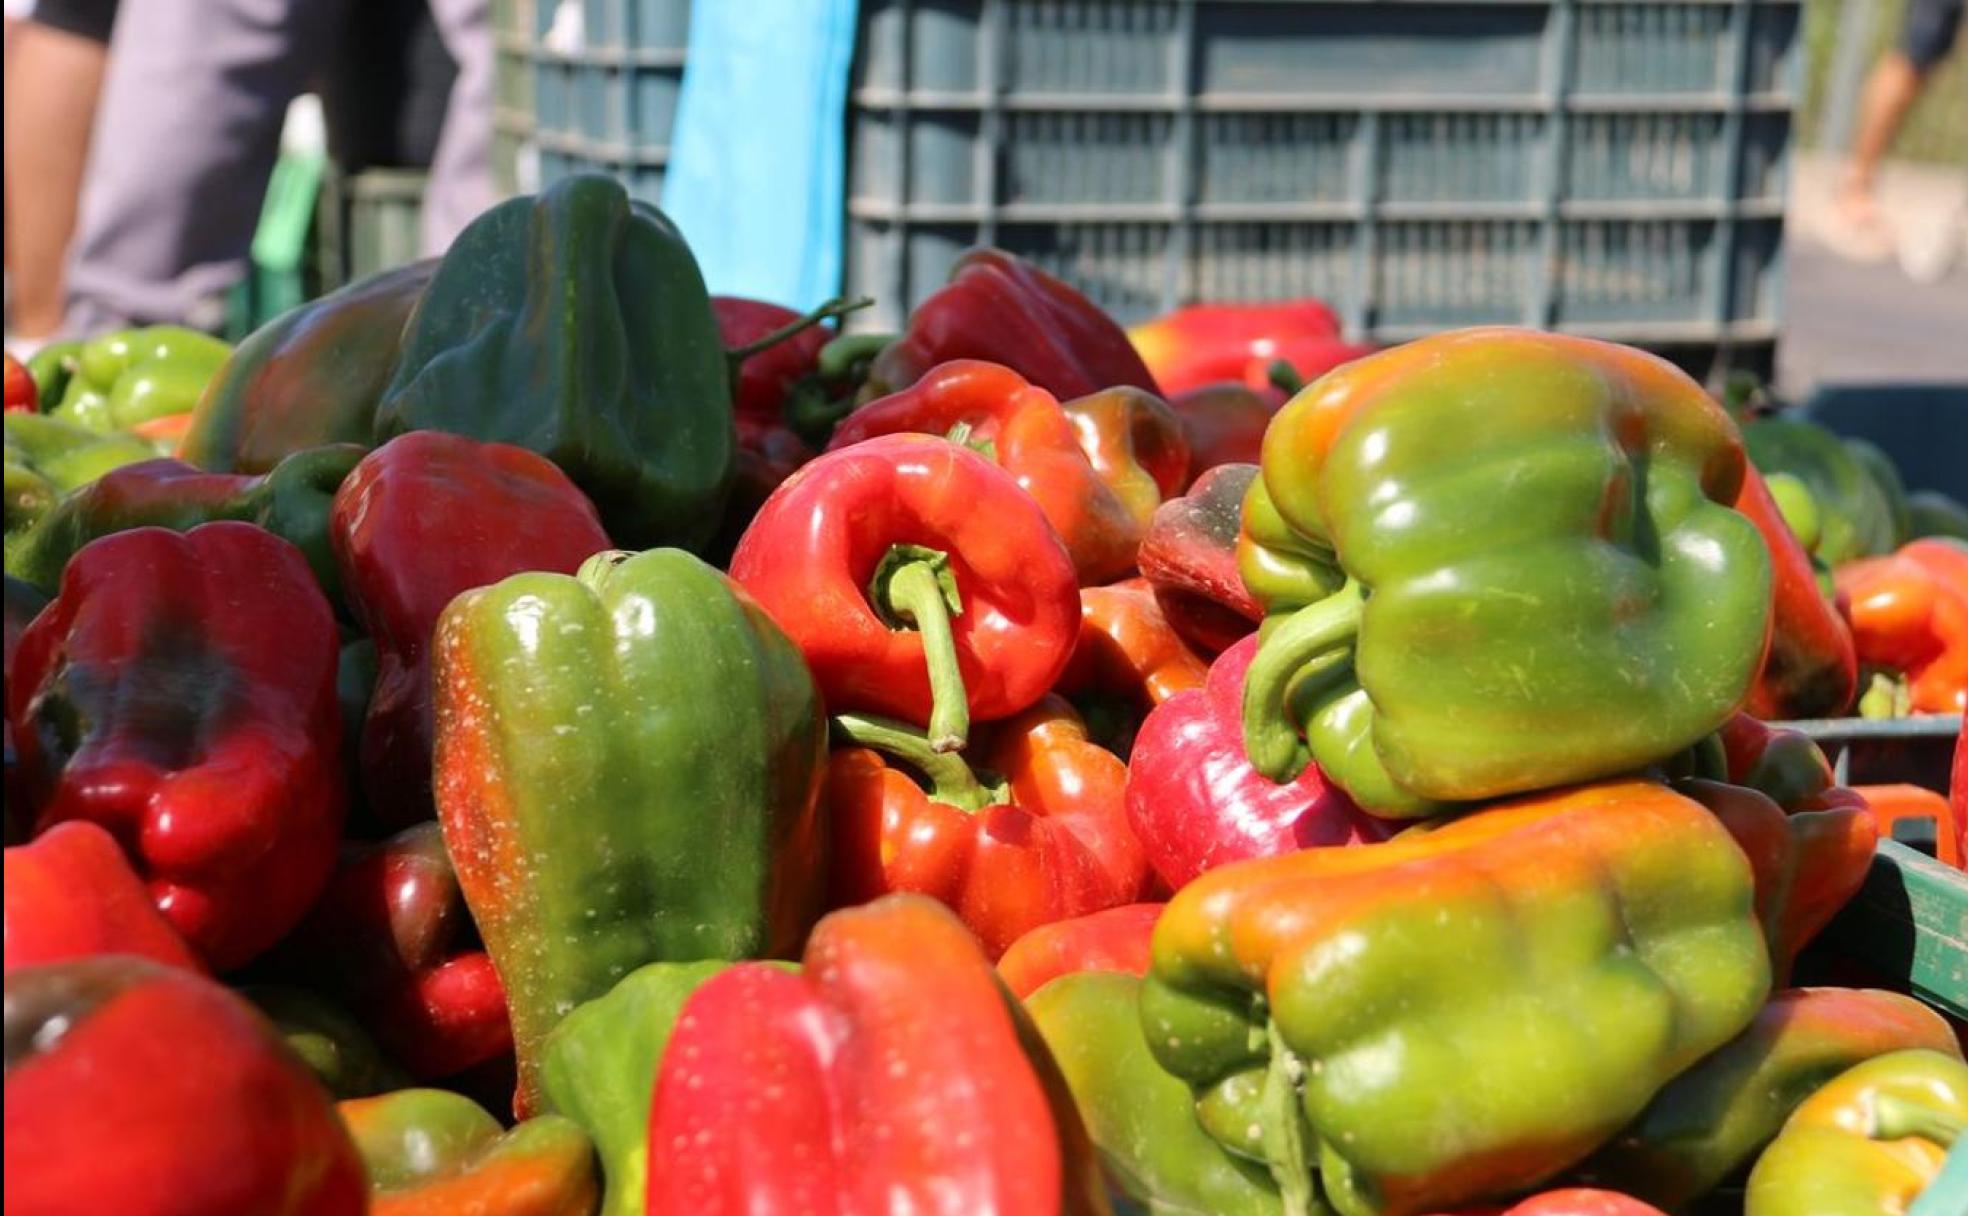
(757, 170)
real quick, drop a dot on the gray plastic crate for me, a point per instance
(1602, 167)
(367, 222)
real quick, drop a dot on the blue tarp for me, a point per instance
(757, 168)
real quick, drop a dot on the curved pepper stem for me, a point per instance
(839, 306)
(839, 357)
(1895, 1118)
(950, 779)
(1313, 643)
(914, 587)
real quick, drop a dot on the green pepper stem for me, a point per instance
(838, 358)
(1895, 1118)
(1313, 642)
(840, 306)
(1284, 376)
(1286, 1134)
(912, 587)
(950, 779)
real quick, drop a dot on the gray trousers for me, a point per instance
(187, 132)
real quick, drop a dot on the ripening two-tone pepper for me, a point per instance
(180, 691)
(1190, 557)
(897, 1075)
(1357, 1021)
(1498, 561)
(919, 582)
(598, 816)
(1098, 465)
(431, 1152)
(1206, 344)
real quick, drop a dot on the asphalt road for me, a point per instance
(1847, 322)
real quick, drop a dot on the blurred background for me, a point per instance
(1685, 174)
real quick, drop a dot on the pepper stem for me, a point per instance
(837, 358)
(839, 306)
(950, 779)
(914, 587)
(1895, 1118)
(1314, 642)
(1284, 376)
(1286, 1134)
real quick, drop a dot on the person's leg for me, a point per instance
(54, 74)
(461, 169)
(184, 143)
(1895, 84)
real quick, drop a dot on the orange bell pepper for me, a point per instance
(1892, 803)
(1129, 659)
(1909, 612)
(1116, 939)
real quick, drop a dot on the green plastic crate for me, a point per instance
(1907, 928)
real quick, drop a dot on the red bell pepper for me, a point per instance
(180, 691)
(1116, 939)
(1197, 803)
(20, 394)
(21, 603)
(144, 1090)
(1909, 614)
(762, 385)
(1098, 467)
(70, 893)
(896, 1074)
(1573, 1201)
(421, 519)
(1811, 670)
(1003, 309)
(1049, 839)
(391, 938)
(1241, 343)
(1189, 557)
(918, 580)
(1128, 660)
(1224, 423)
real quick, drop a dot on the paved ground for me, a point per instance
(1846, 321)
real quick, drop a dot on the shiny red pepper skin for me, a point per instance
(809, 556)
(902, 1078)
(21, 396)
(1114, 940)
(180, 691)
(70, 893)
(144, 1090)
(1211, 343)
(424, 517)
(1189, 557)
(1197, 803)
(1812, 670)
(1001, 308)
(1575, 1201)
(392, 938)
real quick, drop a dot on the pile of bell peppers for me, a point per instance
(545, 741)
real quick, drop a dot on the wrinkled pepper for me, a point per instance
(1002, 309)
(212, 754)
(1197, 802)
(21, 604)
(1128, 660)
(1211, 343)
(291, 502)
(598, 1068)
(1909, 614)
(1869, 1141)
(333, 1045)
(147, 1090)
(575, 323)
(1224, 424)
(919, 582)
(904, 1078)
(1043, 837)
(1858, 514)
(1112, 940)
(423, 518)
(1811, 670)
(21, 396)
(1358, 1020)
(1190, 557)
(70, 893)
(391, 936)
(1097, 466)
(1153, 1152)
(598, 817)
(309, 377)
(1498, 561)
(430, 1152)
(1715, 1117)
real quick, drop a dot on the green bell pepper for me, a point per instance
(1932, 513)
(1861, 507)
(430, 1151)
(1142, 1121)
(333, 1045)
(47, 457)
(122, 380)
(627, 769)
(575, 323)
(1495, 561)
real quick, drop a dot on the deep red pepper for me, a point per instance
(392, 938)
(424, 517)
(1210, 343)
(20, 393)
(1003, 309)
(1197, 803)
(1114, 940)
(761, 386)
(1098, 467)
(21, 603)
(1811, 670)
(70, 893)
(908, 530)
(1224, 423)
(180, 691)
(1189, 557)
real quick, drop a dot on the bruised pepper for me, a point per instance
(918, 581)
(598, 817)
(1098, 466)
(1497, 561)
